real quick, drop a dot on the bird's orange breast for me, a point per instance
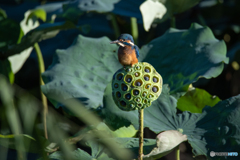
(127, 56)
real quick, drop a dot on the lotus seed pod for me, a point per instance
(136, 87)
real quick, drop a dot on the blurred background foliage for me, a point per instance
(55, 25)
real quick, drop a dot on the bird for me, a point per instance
(128, 52)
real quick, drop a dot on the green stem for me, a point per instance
(140, 112)
(177, 153)
(173, 22)
(134, 29)
(44, 99)
(115, 25)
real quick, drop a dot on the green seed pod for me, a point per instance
(136, 87)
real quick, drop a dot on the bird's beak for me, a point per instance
(119, 43)
(116, 41)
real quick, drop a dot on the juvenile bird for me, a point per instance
(128, 52)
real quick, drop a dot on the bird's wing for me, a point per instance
(133, 47)
(136, 50)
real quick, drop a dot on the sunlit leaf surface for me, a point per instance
(195, 100)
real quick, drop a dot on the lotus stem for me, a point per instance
(177, 153)
(134, 29)
(140, 134)
(43, 97)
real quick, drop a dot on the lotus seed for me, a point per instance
(128, 96)
(144, 94)
(136, 92)
(138, 84)
(116, 85)
(146, 78)
(138, 99)
(138, 67)
(124, 88)
(129, 70)
(147, 70)
(155, 79)
(131, 105)
(154, 89)
(123, 103)
(136, 74)
(129, 79)
(119, 94)
(120, 77)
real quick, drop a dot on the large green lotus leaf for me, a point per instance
(82, 71)
(94, 5)
(216, 129)
(195, 100)
(79, 6)
(182, 56)
(73, 10)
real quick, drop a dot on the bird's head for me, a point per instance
(123, 40)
